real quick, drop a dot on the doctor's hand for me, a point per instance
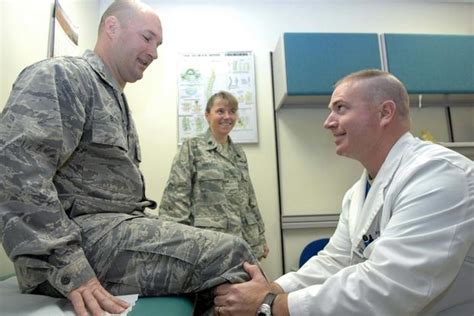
(92, 299)
(242, 298)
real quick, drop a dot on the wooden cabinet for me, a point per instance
(306, 65)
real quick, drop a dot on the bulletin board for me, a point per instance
(202, 74)
(63, 34)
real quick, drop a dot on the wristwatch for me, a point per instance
(266, 308)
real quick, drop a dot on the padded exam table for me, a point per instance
(11, 303)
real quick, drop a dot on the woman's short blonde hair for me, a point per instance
(224, 95)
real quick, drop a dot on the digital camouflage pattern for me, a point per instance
(210, 188)
(72, 195)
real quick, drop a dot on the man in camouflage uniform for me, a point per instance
(71, 193)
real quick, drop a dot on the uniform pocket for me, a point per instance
(250, 229)
(108, 127)
(108, 167)
(209, 188)
(109, 133)
(210, 172)
(213, 223)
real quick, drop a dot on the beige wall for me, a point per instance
(23, 39)
(311, 183)
(24, 29)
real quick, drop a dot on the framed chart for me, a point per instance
(202, 74)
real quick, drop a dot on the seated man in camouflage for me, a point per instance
(72, 196)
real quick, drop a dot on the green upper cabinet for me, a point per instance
(432, 64)
(306, 65)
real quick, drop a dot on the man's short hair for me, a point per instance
(381, 86)
(122, 10)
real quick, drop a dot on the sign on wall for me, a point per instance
(202, 74)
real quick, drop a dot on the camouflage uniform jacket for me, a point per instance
(210, 188)
(68, 151)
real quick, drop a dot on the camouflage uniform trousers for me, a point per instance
(153, 257)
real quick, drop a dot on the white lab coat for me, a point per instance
(420, 213)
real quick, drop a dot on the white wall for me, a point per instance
(193, 26)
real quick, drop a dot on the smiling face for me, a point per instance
(221, 117)
(135, 45)
(354, 121)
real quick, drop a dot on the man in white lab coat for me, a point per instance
(404, 242)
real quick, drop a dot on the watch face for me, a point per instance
(264, 310)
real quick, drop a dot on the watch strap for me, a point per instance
(269, 298)
(266, 307)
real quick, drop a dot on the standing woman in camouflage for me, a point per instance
(209, 185)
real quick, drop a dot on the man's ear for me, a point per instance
(387, 112)
(111, 26)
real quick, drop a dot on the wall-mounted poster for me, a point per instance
(203, 74)
(63, 34)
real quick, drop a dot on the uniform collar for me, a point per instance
(212, 144)
(101, 69)
(210, 140)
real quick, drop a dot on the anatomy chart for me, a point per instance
(202, 74)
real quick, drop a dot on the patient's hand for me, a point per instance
(92, 299)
